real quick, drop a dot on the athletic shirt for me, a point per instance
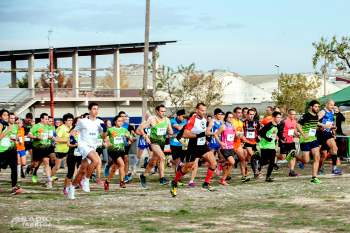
(117, 139)
(250, 129)
(174, 141)
(287, 127)
(196, 126)
(308, 124)
(74, 150)
(228, 136)
(38, 130)
(14, 132)
(239, 129)
(215, 128)
(268, 131)
(21, 146)
(142, 141)
(5, 141)
(89, 131)
(327, 120)
(63, 133)
(159, 132)
(51, 131)
(99, 142)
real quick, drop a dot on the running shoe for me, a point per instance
(173, 187)
(191, 185)
(94, 175)
(223, 183)
(122, 185)
(49, 184)
(338, 162)
(106, 170)
(180, 183)
(301, 165)
(18, 179)
(337, 172)
(65, 191)
(245, 179)
(293, 173)
(228, 178)
(80, 184)
(34, 178)
(323, 166)
(142, 180)
(269, 179)
(206, 164)
(92, 179)
(257, 175)
(71, 191)
(321, 172)
(16, 190)
(219, 169)
(55, 178)
(27, 170)
(178, 168)
(99, 181)
(156, 170)
(163, 181)
(105, 185)
(247, 172)
(128, 179)
(152, 172)
(22, 174)
(290, 156)
(31, 171)
(316, 181)
(208, 188)
(276, 168)
(86, 185)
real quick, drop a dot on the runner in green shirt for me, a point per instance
(116, 147)
(160, 127)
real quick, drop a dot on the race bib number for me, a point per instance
(230, 137)
(26, 139)
(250, 134)
(161, 131)
(201, 141)
(312, 132)
(99, 141)
(20, 139)
(12, 136)
(166, 147)
(290, 132)
(272, 136)
(118, 140)
(5, 142)
(329, 123)
(45, 135)
(50, 133)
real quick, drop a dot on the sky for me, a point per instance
(246, 37)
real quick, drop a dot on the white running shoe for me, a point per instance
(71, 190)
(86, 185)
(282, 161)
(49, 184)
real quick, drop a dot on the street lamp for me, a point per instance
(278, 75)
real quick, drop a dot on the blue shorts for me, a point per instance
(142, 147)
(214, 146)
(307, 146)
(21, 153)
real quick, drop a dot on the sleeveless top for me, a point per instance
(227, 137)
(327, 120)
(215, 128)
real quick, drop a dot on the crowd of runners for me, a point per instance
(220, 142)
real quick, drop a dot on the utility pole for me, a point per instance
(145, 67)
(51, 81)
(324, 76)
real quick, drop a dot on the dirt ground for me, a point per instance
(287, 205)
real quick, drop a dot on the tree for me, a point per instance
(334, 52)
(108, 81)
(62, 80)
(23, 83)
(295, 91)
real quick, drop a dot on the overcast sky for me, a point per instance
(246, 37)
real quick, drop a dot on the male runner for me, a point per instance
(160, 126)
(28, 123)
(197, 148)
(213, 126)
(21, 151)
(338, 119)
(89, 129)
(244, 114)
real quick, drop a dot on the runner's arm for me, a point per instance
(2, 135)
(263, 132)
(170, 129)
(188, 134)
(216, 135)
(144, 125)
(210, 126)
(298, 127)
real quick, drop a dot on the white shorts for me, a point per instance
(85, 150)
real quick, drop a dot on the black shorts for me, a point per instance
(28, 145)
(285, 148)
(60, 155)
(40, 154)
(253, 146)
(266, 154)
(51, 150)
(114, 156)
(322, 138)
(325, 147)
(196, 152)
(99, 151)
(177, 152)
(227, 153)
(127, 149)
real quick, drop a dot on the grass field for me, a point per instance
(287, 205)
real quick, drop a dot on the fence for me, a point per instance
(86, 92)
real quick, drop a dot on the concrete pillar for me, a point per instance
(75, 74)
(117, 107)
(116, 73)
(32, 111)
(76, 110)
(93, 72)
(31, 74)
(13, 74)
(155, 67)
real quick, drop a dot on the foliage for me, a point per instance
(23, 83)
(108, 81)
(334, 51)
(184, 89)
(295, 91)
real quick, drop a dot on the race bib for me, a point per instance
(329, 123)
(175, 140)
(50, 133)
(312, 132)
(250, 134)
(26, 139)
(201, 141)
(77, 152)
(12, 136)
(272, 136)
(290, 132)
(20, 139)
(99, 141)
(118, 140)
(5, 142)
(166, 147)
(230, 137)
(45, 135)
(161, 131)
